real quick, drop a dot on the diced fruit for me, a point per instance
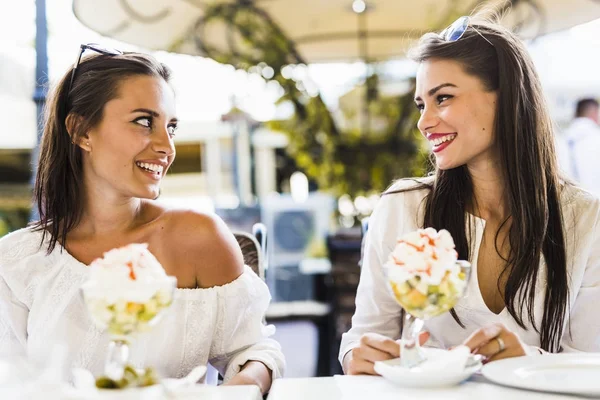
(106, 383)
(134, 308)
(444, 288)
(401, 289)
(426, 301)
(415, 299)
(151, 307)
(131, 378)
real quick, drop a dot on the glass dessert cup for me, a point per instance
(124, 319)
(421, 302)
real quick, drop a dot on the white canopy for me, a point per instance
(323, 30)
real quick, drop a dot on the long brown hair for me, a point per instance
(524, 139)
(58, 188)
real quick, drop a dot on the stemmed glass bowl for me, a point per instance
(426, 283)
(125, 313)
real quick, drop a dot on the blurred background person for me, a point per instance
(580, 145)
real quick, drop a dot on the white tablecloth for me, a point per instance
(204, 392)
(377, 388)
(209, 392)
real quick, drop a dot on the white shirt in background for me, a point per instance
(396, 214)
(579, 153)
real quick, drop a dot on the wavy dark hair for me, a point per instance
(58, 189)
(524, 139)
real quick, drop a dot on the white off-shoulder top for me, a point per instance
(40, 304)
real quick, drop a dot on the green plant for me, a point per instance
(354, 160)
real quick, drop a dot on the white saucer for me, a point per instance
(417, 378)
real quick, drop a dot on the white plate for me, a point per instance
(416, 378)
(561, 373)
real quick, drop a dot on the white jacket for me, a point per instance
(396, 214)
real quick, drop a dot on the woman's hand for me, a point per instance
(253, 373)
(373, 347)
(496, 342)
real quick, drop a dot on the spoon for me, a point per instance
(474, 360)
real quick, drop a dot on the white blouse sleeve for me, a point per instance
(13, 321)
(582, 332)
(241, 334)
(376, 310)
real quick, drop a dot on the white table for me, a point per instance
(209, 392)
(204, 392)
(377, 388)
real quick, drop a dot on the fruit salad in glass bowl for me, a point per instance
(426, 279)
(425, 276)
(126, 293)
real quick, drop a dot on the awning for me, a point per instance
(323, 30)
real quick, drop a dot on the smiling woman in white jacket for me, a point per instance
(533, 239)
(378, 312)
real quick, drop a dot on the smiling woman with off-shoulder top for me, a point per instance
(107, 144)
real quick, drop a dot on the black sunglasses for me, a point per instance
(458, 28)
(94, 47)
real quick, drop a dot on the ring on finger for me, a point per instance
(501, 344)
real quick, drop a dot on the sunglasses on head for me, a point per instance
(458, 28)
(93, 47)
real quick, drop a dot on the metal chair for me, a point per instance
(254, 248)
(259, 230)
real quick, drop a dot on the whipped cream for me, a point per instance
(425, 253)
(128, 274)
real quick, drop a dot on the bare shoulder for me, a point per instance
(205, 243)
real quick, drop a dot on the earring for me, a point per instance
(87, 143)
